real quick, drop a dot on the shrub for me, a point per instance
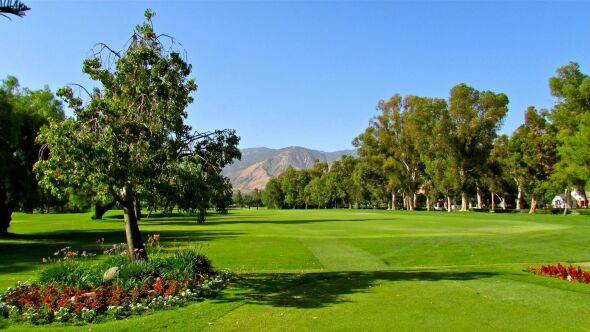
(72, 273)
(562, 272)
(136, 273)
(187, 264)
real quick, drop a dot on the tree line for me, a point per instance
(426, 151)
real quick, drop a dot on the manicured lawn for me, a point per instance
(345, 270)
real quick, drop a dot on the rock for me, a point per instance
(111, 273)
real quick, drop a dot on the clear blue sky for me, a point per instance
(310, 73)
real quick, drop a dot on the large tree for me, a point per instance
(130, 137)
(533, 151)
(571, 117)
(475, 116)
(23, 113)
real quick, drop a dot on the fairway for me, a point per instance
(344, 269)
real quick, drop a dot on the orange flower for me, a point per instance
(71, 254)
(157, 237)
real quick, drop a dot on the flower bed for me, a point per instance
(73, 289)
(561, 272)
(41, 304)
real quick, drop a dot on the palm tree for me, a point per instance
(14, 7)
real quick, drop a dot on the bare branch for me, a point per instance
(104, 46)
(81, 87)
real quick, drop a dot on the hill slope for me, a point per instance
(258, 165)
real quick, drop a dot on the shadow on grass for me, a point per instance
(23, 252)
(316, 290)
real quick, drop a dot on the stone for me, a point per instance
(111, 273)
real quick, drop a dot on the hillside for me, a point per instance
(258, 165)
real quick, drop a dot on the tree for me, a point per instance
(273, 196)
(475, 117)
(379, 143)
(571, 117)
(533, 149)
(239, 199)
(341, 176)
(23, 113)
(13, 7)
(130, 137)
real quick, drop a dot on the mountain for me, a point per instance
(258, 165)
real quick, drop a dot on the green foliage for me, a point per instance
(571, 117)
(137, 272)
(130, 139)
(273, 195)
(23, 113)
(187, 264)
(73, 273)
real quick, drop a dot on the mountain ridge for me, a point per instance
(259, 164)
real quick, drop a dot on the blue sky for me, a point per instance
(310, 73)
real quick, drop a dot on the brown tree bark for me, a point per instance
(449, 206)
(519, 199)
(567, 201)
(533, 208)
(100, 210)
(493, 201)
(479, 199)
(463, 201)
(134, 241)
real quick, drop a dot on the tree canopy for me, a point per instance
(130, 138)
(23, 113)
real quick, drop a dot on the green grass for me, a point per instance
(344, 270)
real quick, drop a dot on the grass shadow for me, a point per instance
(316, 290)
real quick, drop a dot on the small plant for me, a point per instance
(559, 271)
(136, 273)
(187, 264)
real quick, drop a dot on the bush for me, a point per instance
(72, 273)
(187, 264)
(137, 272)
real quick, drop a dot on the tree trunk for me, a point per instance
(567, 201)
(463, 201)
(493, 201)
(132, 234)
(393, 207)
(6, 210)
(519, 199)
(100, 210)
(427, 203)
(503, 203)
(415, 202)
(449, 206)
(404, 201)
(533, 204)
(138, 208)
(5, 218)
(479, 199)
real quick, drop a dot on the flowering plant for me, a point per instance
(39, 304)
(72, 289)
(559, 271)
